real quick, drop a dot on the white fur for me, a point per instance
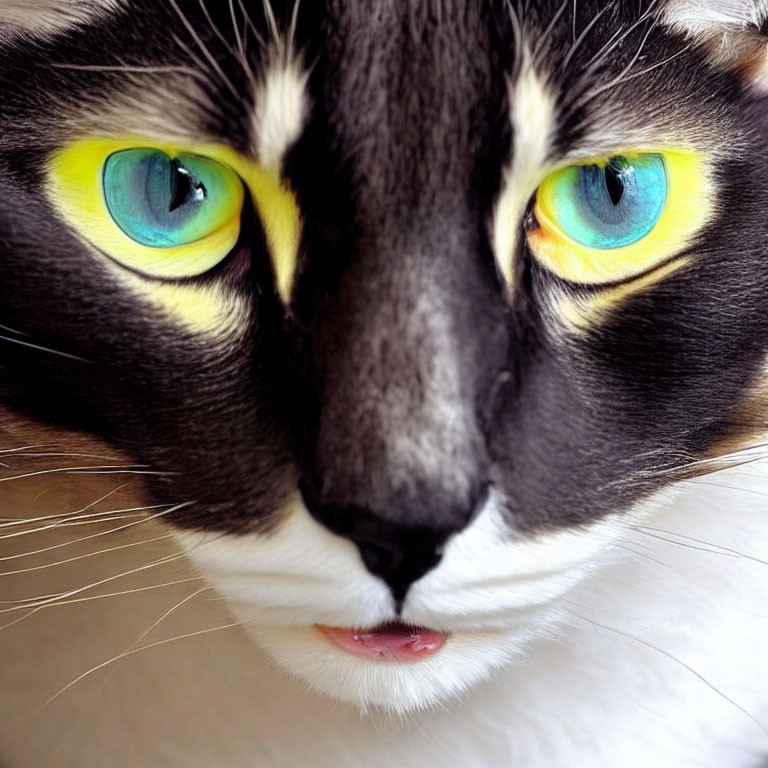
(583, 696)
(280, 109)
(493, 591)
(532, 113)
(700, 16)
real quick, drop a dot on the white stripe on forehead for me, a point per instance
(280, 108)
(532, 114)
(47, 17)
(280, 102)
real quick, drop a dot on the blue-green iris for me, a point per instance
(613, 205)
(164, 202)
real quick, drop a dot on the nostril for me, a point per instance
(378, 560)
(309, 491)
(335, 518)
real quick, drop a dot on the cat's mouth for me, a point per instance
(393, 641)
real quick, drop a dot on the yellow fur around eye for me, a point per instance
(689, 206)
(75, 189)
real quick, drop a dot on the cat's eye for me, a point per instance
(612, 219)
(163, 202)
(607, 206)
(170, 211)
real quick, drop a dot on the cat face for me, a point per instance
(408, 309)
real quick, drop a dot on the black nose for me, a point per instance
(397, 553)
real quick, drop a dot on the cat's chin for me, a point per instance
(463, 660)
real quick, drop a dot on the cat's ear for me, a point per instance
(734, 34)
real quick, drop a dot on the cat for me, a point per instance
(383, 383)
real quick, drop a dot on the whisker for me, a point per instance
(22, 448)
(269, 15)
(573, 21)
(77, 514)
(644, 555)
(114, 468)
(137, 650)
(204, 49)
(740, 488)
(140, 69)
(582, 37)
(216, 31)
(243, 58)
(50, 599)
(69, 543)
(613, 43)
(715, 549)
(62, 455)
(545, 34)
(517, 31)
(152, 626)
(674, 658)
(106, 518)
(14, 330)
(249, 23)
(621, 79)
(120, 471)
(65, 514)
(41, 348)
(33, 611)
(92, 519)
(87, 555)
(166, 614)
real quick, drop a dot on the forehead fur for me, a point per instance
(47, 17)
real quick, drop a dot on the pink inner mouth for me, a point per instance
(387, 642)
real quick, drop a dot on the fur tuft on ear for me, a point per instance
(701, 16)
(47, 17)
(733, 32)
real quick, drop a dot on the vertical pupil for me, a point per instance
(614, 181)
(182, 186)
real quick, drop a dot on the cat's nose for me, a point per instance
(395, 552)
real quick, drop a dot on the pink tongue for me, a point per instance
(387, 642)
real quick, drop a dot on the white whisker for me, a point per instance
(87, 555)
(70, 542)
(133, 69)
(92, 519)
(49, 599)
(621, 78)
(41, 348)
(92, 504)
(137, 650)
(582, 37)
(546, 33)
(120, 593)
(243, 58)
(62, 455)
(115, 468)
(22, 448)
(674, 658)
(706, 546)
(205, 51)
